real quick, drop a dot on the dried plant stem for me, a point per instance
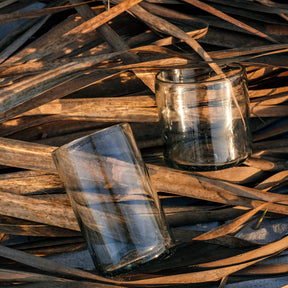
(19, 276)
(6, 18)
(7, 2)
(266, 165)
(239, 175)
(28, 155)
(21, 40)
(228, 18)
(275, 180)
(170, 29)
(230, 227)
(31, 92)
(142, 107)
(40, 66)
(194, 277)
(270, 249)
(103, 89)
(278, 143)
(49, 266)
(42, 211)
(36, 230)
(278, 130)
(117, 43)
(164, 179)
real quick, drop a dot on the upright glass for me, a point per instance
(110, 191)
(204, 117)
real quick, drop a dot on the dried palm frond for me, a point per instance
(73, 67)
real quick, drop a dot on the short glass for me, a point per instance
(204, 117)
(117, 210)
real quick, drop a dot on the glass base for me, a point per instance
(134, 265)
(204, 167)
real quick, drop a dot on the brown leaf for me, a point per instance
(231, 226)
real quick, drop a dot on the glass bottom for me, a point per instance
(205, 154)
(204, 167)
(113, 257)
(136, 263)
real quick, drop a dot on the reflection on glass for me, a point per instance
(204, 117)
(110, 192)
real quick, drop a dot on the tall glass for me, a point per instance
(204, 117)
(110, 191)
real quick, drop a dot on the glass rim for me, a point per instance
(238, 72)
(77, 141)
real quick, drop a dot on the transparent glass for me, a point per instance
(204, 117)
(117, 210)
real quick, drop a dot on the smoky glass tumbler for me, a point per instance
(117, 210)
(204, 117)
